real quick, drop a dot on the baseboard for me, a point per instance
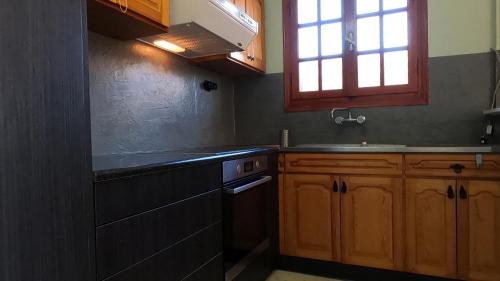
(347, 272)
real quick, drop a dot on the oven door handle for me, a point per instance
(247, 186)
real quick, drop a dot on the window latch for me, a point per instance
(349, 39)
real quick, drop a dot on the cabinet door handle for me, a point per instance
(344, 188)
(457, 168)
(335, 186)
(463, 192)
(451, 194)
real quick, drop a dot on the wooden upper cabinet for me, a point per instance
(431, 227)
(479, 230)
(250, 61)
(239, 56)
(311, 210)
(128, 19)
(372, 222)
(156, 10)
(255, 52)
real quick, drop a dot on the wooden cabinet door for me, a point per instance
(479, 230)
(372, 222)
(311, 219)
(431, 227)
(255, 9)
(156, 10)
(254, 55)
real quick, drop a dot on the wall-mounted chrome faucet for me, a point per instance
(339, 120)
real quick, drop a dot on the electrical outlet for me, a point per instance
(489, 130)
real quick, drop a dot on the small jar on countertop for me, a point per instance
(284, 138)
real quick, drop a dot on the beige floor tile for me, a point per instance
(280, 275)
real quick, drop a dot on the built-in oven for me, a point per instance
(245, 191)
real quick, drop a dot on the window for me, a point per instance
(355, 53)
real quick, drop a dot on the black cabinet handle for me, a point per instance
(457, 168)
(463, 192)
(451, 194)
(344, 188)
(335, 186)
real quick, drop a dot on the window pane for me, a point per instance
(332, 74)
(396, 68)
(394, 4)
(307, 11)
(368, 33)
(396, 30)
(331, 39)
(308, 76)
(331, 9)
(367, 6)
(308, 42)
(369, 70)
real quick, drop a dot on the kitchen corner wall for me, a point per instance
(144, 99)
(461, 70)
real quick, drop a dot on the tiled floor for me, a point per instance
(279, 275)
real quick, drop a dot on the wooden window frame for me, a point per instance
(415, 93)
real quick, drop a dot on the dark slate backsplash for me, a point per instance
(460, 88)
(144, 99)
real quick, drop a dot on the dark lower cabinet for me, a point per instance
(161, 226)
(46, 195)
(209, 271)
(179, 261)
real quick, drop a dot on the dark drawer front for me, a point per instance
(179, 261)
(126, 242)
(118, 199)
(212, 271)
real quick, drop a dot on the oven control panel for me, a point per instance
(240, 168)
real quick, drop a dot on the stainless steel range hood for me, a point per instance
(205, 27)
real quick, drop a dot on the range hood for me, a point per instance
(205, 27)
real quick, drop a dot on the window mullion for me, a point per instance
(350, 73)
(320, 70)
(381, 26)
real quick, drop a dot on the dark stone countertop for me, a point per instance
(107, 167)
(339, 148)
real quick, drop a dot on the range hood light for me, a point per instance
(169, 46)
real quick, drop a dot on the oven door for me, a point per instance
(245, 232)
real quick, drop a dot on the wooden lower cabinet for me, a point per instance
(431, 232)
(435, 225)
(479, 230)
(371, 222)
(311, 211)
(365, 213)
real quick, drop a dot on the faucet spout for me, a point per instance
(339, 120)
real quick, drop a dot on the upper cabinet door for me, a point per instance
(479, 230)
(254, 55)
(156, 10)
(241, 56)
(256, 51)
(310, 210)
(431, 227)
(372, 222)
